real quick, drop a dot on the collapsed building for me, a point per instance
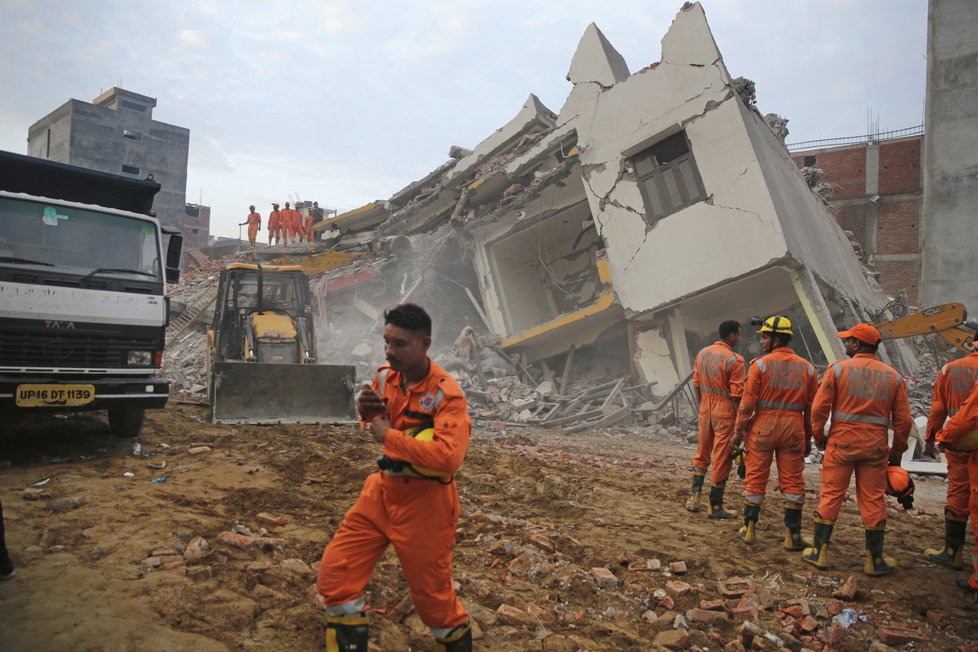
(650, 207)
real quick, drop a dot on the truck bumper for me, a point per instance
(118, 392)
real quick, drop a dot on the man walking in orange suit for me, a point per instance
(418, 412)
(274, 224)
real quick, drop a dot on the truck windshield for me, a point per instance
(37, 233)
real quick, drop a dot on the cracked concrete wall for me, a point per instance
(653, 361)
(734, 231)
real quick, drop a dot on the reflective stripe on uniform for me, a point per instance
(797, 499)
(797, 407)
(382, 378)
(860, 418)
(838, 370)
(439, 395)
(718, 392)
(761, 365)
(732, 359)
(754, 500)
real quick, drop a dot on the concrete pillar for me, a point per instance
(872, 226)
(677, 342)
(817, 312)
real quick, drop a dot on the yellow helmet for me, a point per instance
(426, 434)
(776, 324)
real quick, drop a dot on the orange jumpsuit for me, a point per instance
(954, 383)
(863, 394)
(274, 226)
(719, 375)
(417, 516)
(254, 226)
(287, 225)
(297, 229)
(964, 421)
(309, 228)
(778, 395)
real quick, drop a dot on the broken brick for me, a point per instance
(713, 605)
(272, 519)
(808, 624)
(896, 635)
(604, 577)
(848, 589)
(510, 615)
(735, 587)
(672, 639)
(677, 568)
(706, 616)
(677, 589)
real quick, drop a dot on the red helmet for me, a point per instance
(899, 485)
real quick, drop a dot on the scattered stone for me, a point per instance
(173, 565)
(510, 615)
(196, 549)
(65, 504)
(735, 587)
(808, 624)
(835, 607)
(677, 568)
(896, 635)
(744, 613)
(272, 520)
(402, 610)
(502, 547)
(848, 589)
(677, 589)
(152, 562)
(199, 572)
(649, 616)
(197, 450)
(713, 605)
(672, 639)
(542, 543)
(236, 540)
(164, 552)
(653, 564)
(545, 616)
(706, 616)
(667, 602)
(297, 566)
(604, 577)
(33, 493)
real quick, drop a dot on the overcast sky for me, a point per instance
(345, 102)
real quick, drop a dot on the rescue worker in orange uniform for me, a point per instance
(773, 416)
(718, 382)
(254, 225)
(864, 395)
(412, 502)
(274, 224)
(960, 435)
(952, 388)
(309, 217)
(297, 226)
(287, 233)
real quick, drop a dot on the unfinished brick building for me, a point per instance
(876, 193)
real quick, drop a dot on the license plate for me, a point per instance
(54, 395)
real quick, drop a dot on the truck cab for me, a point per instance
(83, 272)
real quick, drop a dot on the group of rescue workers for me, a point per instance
(287, 224)
(775, 407)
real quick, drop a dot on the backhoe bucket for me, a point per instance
(243, 392)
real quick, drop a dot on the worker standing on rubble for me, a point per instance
(274, 224)
(951, 389)
(718, 382)
(960, 435)
(254, 225)
(418, 412)
(308, 220)
(863, 394)
(297, 226)
(774, 415)
(317, 216)
(287, 232)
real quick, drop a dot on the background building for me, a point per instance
(196, 226)
(875, 192)
(117, 133)
(948, 262)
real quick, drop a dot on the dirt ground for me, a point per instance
(539, 511)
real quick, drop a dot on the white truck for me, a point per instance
(83, 310)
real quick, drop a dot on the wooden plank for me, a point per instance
(675, 392)
(606, 420)
(567, 367)
(573, 418)
(612, 395)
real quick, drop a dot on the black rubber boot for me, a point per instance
(951, 554)
(792, 525)
(458, 640)
(751, 514)
(876, 563)
(818, 554)
(695, 502)
(716, 504)
(347, 633)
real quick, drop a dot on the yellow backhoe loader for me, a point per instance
(948, 320)
(262, 352)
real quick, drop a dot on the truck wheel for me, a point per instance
(126, 422)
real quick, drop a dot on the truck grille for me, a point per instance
(67, 349)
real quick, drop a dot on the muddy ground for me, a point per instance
(539, 512)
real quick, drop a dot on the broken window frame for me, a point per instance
(657, 178)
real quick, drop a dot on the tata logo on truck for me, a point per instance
(65, 325)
